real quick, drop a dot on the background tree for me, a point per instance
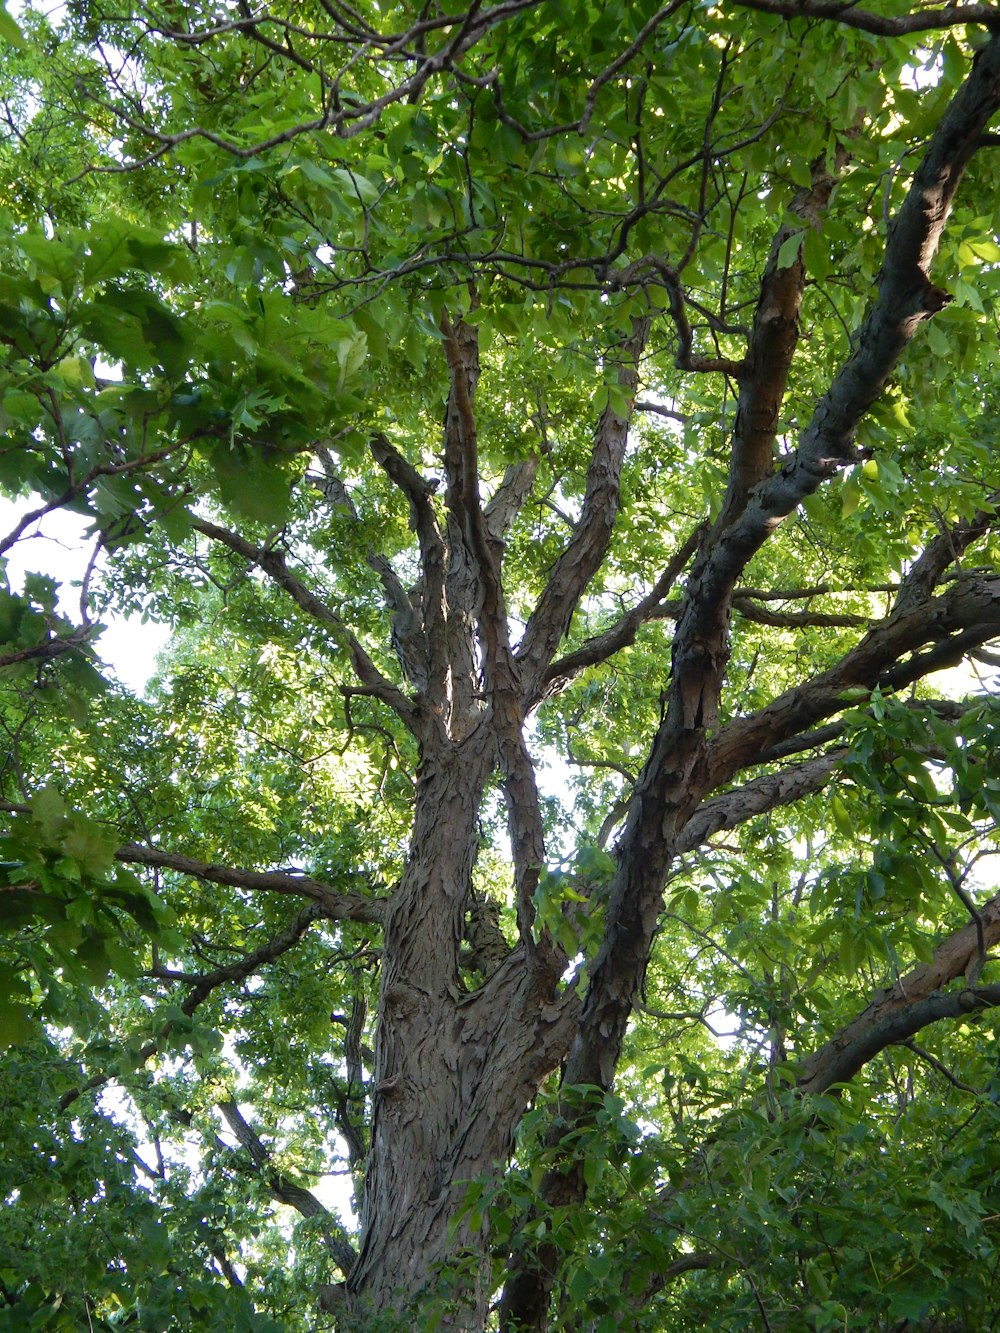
(470, 387)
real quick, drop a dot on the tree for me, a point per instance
(470, 387)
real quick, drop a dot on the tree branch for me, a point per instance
(591, 536)
(765, 793)
(433, 558)
(203, 986)
(600, 647)
(886, 1022)
(510, 496)
(273, 564)
(288, 1191)
(924, 20)
(966, 615)
(333, 905)
(905, 298)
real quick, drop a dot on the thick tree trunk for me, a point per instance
(454, 1071)
(417, 1085)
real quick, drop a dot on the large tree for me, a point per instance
(562, 437)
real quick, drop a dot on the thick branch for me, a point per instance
(758, 797)
(888, 1021)
(967, 615)
(334, 905)
(749, 610)
(924, 20)
(774, 337)
(510, 496)
(591, 537)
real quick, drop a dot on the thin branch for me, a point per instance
(203, 987)
(600, 647)
(273, 564)
(937, 1065)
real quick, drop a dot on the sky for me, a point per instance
(60, 547)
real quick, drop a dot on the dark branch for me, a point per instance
(272, 562)
(924, 20)
(334, 905)
(602, 646)
(203, 986)
(287, 1191)
(591, 537)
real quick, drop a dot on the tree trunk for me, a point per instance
(454, 1071)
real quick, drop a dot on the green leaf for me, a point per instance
(10, 32)
(790, 250)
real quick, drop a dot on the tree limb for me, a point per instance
(272, 562)
(287, 1191)
(601, 646)
(433, 559)
(905, 298)
(203, 986)
(733, 808)
(888, 1023)
(966, 615)
(333, 905)
(924, 20)
(588, 545)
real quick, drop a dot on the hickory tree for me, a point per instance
(547, 884)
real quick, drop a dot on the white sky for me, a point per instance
(60, 547)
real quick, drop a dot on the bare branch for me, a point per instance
(765, 793)
(749, 610)
(511, 494)
(433, 558)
